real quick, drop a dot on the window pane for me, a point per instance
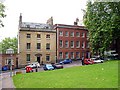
(38, 36)
(28, 45)
(66, 44)
(28, 35)
(83, 44)
(72, 55)
(60, 43)
(72, 44)
(60, 55)
(77, 44)
(38, 45)
(66, 34)
(66, 55)
(83, 34)
(47, 57)
(77, 55)
(77, 34)
(72, 34)
(28, 57)
(48, 46)
(60, 33)
(47, 36)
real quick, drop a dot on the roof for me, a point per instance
(69, 26)
(35, 25)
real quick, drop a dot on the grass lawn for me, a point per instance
(104, 75)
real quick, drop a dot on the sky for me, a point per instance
(39, 11)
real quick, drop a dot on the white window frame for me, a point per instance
(66, 55)
(72, 55)
(60, 33)
(66, 44)
(78, 45)
(71, 43)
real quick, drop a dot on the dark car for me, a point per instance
(48, 67)
(57, 66)
(66, 61)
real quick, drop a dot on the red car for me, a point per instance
(88, 61)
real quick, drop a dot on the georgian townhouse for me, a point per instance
(72, 42)
(36, 42)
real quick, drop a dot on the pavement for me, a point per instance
(6, 82)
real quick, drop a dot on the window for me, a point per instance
(66, 34)
(47, 36)
(47, 57)
(61, 43)
(83, 34)
(87, 35)
(77, 44)
(66, 55)
(28, 35)
(38, 36)
(28, 45)
(77, 34)
(28, 57)
(83, 54)
(60, 33)
(83, 44)
(48, 46)
(60, 55)
(38, 45)
(72, 44)
(77, 55)
(87, 46)
(72, 34)
(66, 44)
(72, 55)
(9, 62)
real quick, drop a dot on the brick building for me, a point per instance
(72, 42)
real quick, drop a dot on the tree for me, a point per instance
(2, 13)
(102, 19)
(9, 43)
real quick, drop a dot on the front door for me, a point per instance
(38, 59)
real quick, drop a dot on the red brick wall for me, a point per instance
(69, 38)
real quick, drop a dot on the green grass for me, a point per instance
(103, 75)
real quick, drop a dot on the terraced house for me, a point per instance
(36, 42)
(72, 42)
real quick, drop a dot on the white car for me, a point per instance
(33, 65)
(98, 60)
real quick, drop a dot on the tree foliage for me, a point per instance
(2, 13)
(9, 43)
(102, 19)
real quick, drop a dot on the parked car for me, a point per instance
(5, 68)
(33, 65)
(88, 61)
(98, 60)
(66, 61)
(48, 67)
(57, 66)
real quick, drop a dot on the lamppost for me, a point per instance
(10, 51)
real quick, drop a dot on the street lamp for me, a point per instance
(10, 51)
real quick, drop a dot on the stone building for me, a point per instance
(36, 42)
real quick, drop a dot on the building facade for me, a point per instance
(36, 42)
(7, 59)
(72, 42)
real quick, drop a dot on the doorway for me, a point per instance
(38, 59)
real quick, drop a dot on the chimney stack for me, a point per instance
(50, 21)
